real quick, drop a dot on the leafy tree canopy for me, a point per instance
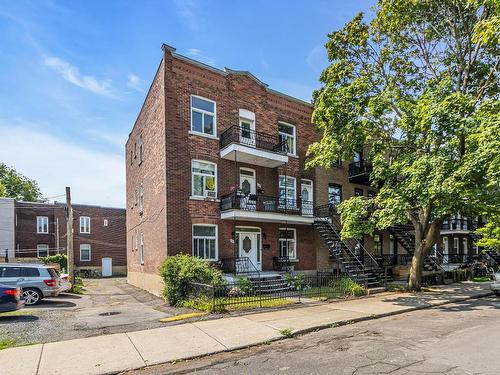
(15, 185)
(416, 86)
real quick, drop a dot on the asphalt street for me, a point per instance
(459, 338)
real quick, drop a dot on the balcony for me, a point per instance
(252, 147)
(263, 208)
(459, 225)
(359, 172)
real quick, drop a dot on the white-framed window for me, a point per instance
(84, 224)
(287, 137)
(204, 179)
(105, 222)
(287, 242)
(203, 116)
(141, 149)
(141, 198)
(42, 250)
(465, 244)
(141, 252)
(456, 244)
(287, 191)
(85, 252)
(42, 224)
(205, 241)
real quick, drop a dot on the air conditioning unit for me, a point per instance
(211, 194)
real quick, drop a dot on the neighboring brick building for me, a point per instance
(99, 232)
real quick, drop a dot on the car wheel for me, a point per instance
(31, 296)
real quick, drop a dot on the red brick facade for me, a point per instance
(106, 237)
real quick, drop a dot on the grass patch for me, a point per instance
(7, 343)
(397, 288)
(20, 312)
(223, 304)
(286, 332)
(481, 279)
(182, 317)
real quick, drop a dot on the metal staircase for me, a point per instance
(358, 263)
(495, 255)
(403, 234)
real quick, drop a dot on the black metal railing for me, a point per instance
(265, 203)
(396, 259)
(252, 138)
(282, 264)
(239, 266)
(460, 224)
(249, 293)
(360, 167)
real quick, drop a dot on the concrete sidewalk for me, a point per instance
(125, 351)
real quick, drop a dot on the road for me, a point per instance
(461, 338)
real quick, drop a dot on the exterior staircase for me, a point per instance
(356, 262)
(403, 234)
(495, 255)
(269, 283)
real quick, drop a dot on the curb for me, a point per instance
(317, 328)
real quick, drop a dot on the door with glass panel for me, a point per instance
(247, 132)
(307, 197)
(248, 196)
(248, 248)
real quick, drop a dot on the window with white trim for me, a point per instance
(204, 179)
(287, 137)
(203, 119)
(205, 241)
(105, 222)
(141, 198)
(456, 244)
(84, 224)
(377, 244)
(287, 243)
(42, 250)
(85, 252)
(42, 224)
(287, 191)
(141, 252)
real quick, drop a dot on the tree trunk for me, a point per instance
(416, 269)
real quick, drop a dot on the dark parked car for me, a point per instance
(10, 298)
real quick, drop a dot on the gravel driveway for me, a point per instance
(108, 306)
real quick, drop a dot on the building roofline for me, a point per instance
(227, 71)
(56, 204)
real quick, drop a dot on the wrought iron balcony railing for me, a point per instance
(460, 224)
(265, 203)
(359, 168)
(251, 138)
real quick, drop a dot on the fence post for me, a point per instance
(260, 292)
(213, 296)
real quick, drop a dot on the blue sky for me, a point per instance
(73, 74)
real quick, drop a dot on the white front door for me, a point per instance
(307, 197)
(248, 189)
(248, 248)
(446, 249)
(107, 267)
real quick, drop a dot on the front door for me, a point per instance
(248, 195)
(307, 197)
(248, 248)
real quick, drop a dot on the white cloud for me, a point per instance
(317, 58)
(72, 74)
(94, 177)
(197, 54)
(136, 83)
(187, 11)
(116, 139)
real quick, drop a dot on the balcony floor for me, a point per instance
(268, 217)
(252, 155)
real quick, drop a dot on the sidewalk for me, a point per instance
(125, 351)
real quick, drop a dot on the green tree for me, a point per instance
(417, 85)
(15, 185)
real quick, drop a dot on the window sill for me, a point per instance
(292, 156)
(205, 199)
(204, 135)
(84, 233)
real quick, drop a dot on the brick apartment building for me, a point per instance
(39, 229)
(215, 167)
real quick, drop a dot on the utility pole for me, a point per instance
(69, 234)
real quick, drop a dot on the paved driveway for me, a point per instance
(108, 306)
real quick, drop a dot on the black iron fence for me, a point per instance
(252, 138)
(360, 167)
(247, 293)
(265, 203)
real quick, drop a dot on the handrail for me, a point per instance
(240, 265)
(360, 167)
(252, 138)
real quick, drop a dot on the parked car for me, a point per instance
(495, 285)
(37, 281)
(64, 282)
(10, 298)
